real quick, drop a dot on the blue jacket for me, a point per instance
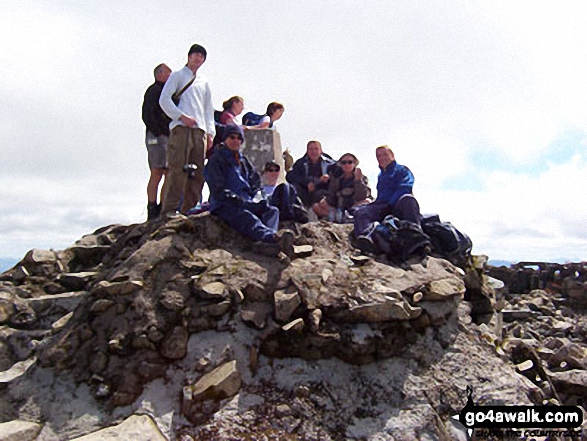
(228, 181)
(299, 172)
(393, 182)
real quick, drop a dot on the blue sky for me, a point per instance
(485, 102)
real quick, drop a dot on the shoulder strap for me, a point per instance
(184, 88)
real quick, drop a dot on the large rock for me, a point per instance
(19, 431)
(136, 427)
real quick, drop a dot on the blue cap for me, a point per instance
(231, 130)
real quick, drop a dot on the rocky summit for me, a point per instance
(179, 330)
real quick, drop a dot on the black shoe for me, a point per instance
(286, 242)
(269, 249)
(153, 210)
(365, 244)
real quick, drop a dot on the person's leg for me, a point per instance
(407, 208)
(175, 178)
(246, 223)
(303, 194)
(196, 155)
(269, 215)
(153, 184)
(365, 215)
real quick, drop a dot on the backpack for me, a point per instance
(400, 240)
(252, 119)
(447, 242)
(290, 206)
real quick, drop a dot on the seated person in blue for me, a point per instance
(347, 190)
(233, 183)
(309, 174)
(394, 196)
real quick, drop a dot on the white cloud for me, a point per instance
(438, 82)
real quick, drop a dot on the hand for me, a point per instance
(324, 179)
(358, 174)
(209, 141)
(188, 121)
(311, 187)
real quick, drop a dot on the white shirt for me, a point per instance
(195, 102)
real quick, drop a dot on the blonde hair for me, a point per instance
(385, 147)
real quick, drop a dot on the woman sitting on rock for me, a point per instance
(232, 108)
(347, 189)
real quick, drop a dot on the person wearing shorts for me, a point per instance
(156, 138)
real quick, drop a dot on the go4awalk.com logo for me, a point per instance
(494, 419)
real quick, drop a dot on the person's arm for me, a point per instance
(215, 173)
(264, 123)
(148, 112)
(362, 190)
(166, 101)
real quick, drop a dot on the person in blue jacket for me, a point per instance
(394, 196)
(309, 174)
(233, 184)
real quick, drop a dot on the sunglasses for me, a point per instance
(349, 161)
(272, 169)
(234, 137)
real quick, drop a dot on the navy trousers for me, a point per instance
(407, 208)
(256, 220)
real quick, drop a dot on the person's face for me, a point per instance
(238, 107)
(195, 60)
(272, 173)
(384, 157)
(277, 114)
(347, 164)
(314, 151)
(233, 142)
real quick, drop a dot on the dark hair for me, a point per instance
(274, 107)
(197, 49)
(354, 158)
(271, 164)
(227, 105)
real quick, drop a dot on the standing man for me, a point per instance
(187, 100)
(394, 196)
(156, 139)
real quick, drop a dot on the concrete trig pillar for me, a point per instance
(262, 146)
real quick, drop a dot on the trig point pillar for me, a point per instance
(262, 146)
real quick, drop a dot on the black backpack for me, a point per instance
(400, 240)
(290, 205)
(219, 128)
(447, 242)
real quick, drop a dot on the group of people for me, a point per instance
(180, 122)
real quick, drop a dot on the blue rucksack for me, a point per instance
(252, 119)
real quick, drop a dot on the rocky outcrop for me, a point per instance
(325, 344)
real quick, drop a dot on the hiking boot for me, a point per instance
(269, 249)
(153, 211)
(365, 244)
(286, 242)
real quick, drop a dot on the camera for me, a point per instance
(190, 169)
(335, 171)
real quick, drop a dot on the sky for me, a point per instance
(485, 101)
